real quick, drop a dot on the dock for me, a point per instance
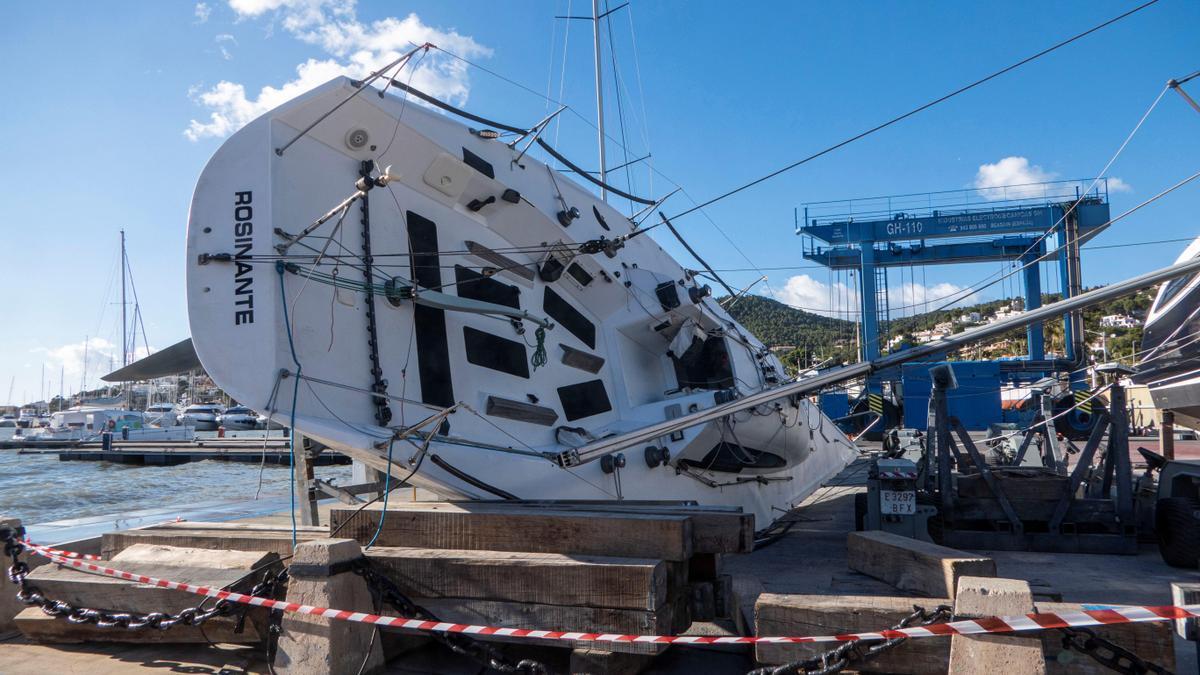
(634, 568)
(169, 453)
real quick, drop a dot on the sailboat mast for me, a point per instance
(599, 96)
(124, 320)
(124, 323)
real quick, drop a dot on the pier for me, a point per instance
(169, 453)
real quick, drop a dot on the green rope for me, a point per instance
(539, 353)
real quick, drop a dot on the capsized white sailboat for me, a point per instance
(465, 317)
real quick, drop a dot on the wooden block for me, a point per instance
(1151, 640)
(597, 661)
(551, 617)
(315, 645)
(542, 578)
(630, 535)
(912, 565)
(802, 615)
(715, 529)
(222, 536)
(230, 570)
(38, 627)
(990, 654)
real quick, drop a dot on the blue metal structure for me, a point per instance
(1007, 224)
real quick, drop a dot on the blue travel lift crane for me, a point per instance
(1014, 224)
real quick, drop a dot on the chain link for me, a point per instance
(29, 594)
(840, 657)
(1107, 653)
(387, 591)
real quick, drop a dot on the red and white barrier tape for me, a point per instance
(1004, 624)
(60, 552)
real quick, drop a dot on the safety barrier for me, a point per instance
(1100, 615)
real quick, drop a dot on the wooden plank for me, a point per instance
(801, 615)
(1151, 640)
(715, 529)
(544, 578)
(38, 627)
(989, 654)
(551, 617)
(101, 592)
(274, 540)
(629, 535)
(912, 565)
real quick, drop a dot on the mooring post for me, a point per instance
(321, 574)
(306, 494)
(1166, 435)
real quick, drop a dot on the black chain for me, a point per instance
(28, 594)
(1108, 653)
(838, 658)
(383, 412)
(386, 591)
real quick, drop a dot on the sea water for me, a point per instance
(40, 488)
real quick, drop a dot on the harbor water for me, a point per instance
(40, 488)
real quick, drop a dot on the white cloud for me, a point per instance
(996, 181)
(356, 48)
(1117, 185)
(224, 40)
(840, 300)
(203, 11)
(806, 293)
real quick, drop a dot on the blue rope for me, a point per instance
(279, 267)
(387, 490)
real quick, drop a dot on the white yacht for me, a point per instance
(201, 416)
(162, 415)
(500, 330)
(238, 418)
(87, 424)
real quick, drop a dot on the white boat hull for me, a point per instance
(609, 368)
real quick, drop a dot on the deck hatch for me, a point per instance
(433, 350)
(473, 285)
(570, 318)
(496, 353)
(584, 399)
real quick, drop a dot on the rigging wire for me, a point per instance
(919, 109)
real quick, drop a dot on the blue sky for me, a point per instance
(109, 121)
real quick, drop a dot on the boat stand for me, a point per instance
(1010, 507)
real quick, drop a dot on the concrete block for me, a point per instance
(311, 645)
(989, 654)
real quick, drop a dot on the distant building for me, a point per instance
(968, 318)
(1118, 321)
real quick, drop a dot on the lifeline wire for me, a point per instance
(914, 111)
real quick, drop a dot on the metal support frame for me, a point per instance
(998, 522)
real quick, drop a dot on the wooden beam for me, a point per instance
(1151, 640)
(536, 531)
(211, 536)
(715, 529)
(220, 569)
(777, 615)
(912, 565)
(543, 578)
(36, 626)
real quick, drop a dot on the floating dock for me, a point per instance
(169, 453)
